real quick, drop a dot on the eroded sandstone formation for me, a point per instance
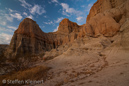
(108, 21)
(102, 5)
(105, 18)
(30, 39)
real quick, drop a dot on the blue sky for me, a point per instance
(47, 14)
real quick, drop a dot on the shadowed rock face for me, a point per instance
(30, 39)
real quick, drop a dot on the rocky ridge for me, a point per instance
(30, 39)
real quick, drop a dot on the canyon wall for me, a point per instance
(105, 18)
(30, 39)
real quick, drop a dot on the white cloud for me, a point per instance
(83, 6)
(42, 26)
(45, 16)
(33, 9)
(89, 7)
(53, 1)
(37, 9)
(30, 16)
(14, 28)
(56, 1)
(9, 18)
(59, 19)
(79, 18)
(16, 15)
(64, 13)
(4, 17)
(49, 22)
(3, 23)
(3, 29)
(55, 29)
(25, 4)
(24, 13)
(5, 38)
(67, 9)
(54, 21)
(10, 10)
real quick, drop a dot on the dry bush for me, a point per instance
(35, 73)
(17, 63)
(21, 63)
(2, 59)
(3, 65)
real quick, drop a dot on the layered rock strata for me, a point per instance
(105, 18)
(30, 39)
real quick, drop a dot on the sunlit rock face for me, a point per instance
(106, 17)
(102, 5)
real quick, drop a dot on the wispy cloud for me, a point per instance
(45, 16)
(9, 18)
(89, 6)
(83, 6)
(33, 9)
(53, 1)
(3, 29)
(10, 10)
(37, 9)
(3, 23)
(49, 22)
(56, 1)
(79, 18)
(28, 16)
(17, 16)
(12, 27)
(58, 20)
(24, 13)
(54, 21)
(5, 17)
(5, 38)
(25, 4)
(55, 29)
(67, 10)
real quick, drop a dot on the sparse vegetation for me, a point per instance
(35, 73)
(21, 68)
(2, 62)
(21, 63)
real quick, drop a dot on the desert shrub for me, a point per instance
(41, 55)
(22, 63)
(3, 62)
(2, 58)
(35, 73)
(19, 64)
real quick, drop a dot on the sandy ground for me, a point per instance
(79, 66)
(92, 62)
